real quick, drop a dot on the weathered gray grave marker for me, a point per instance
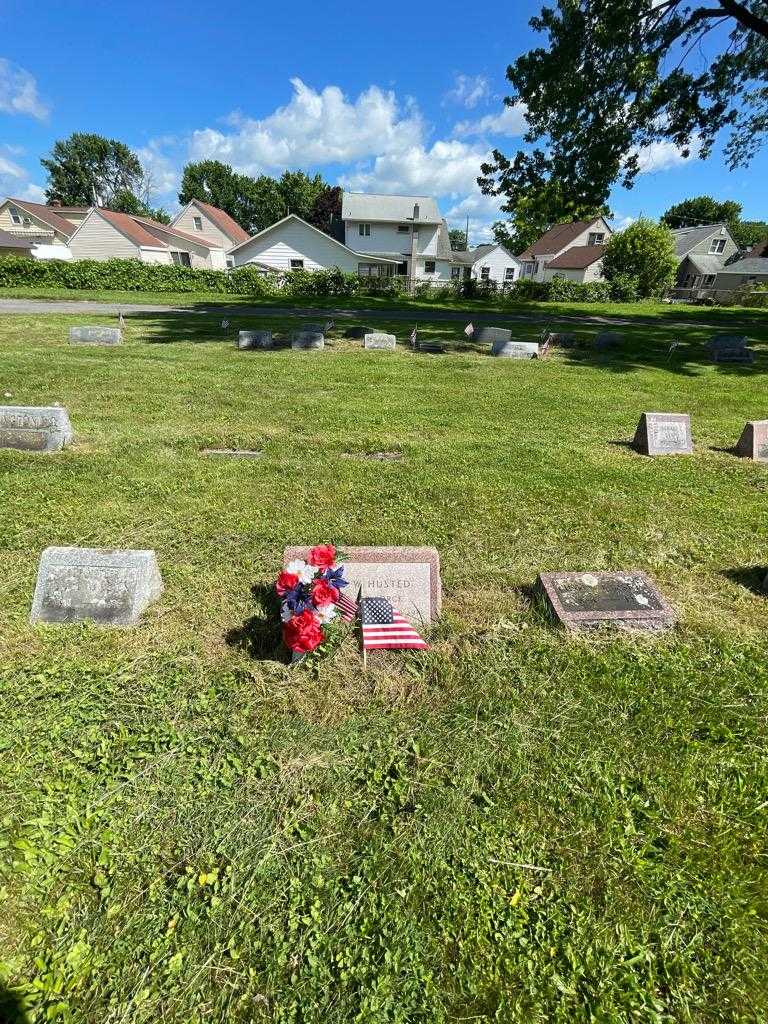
(246, 341)
(753, 443)
(109, 587)
(377, 340)
(608, 339)
(628, 600)
(234, 453)
(492, 335)
(30, 428)
(730, 348)
(663, 433)
(516, 349)
(409, 577)
(307, 340)
(95, 336)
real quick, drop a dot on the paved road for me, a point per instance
(21, 306)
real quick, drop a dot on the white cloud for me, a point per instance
(314, 128)
(662, 156)
(482, 211)
(468, 90)
(13, 180)
(622, 220)
(18, 92)
(447, 168)
(511, 121)
(164, 177)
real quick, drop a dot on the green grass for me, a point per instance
(521, 825)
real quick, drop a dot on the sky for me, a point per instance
(377, 98)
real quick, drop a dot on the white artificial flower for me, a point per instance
(327, 612)
(299, 567)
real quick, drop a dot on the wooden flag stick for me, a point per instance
(360, 616)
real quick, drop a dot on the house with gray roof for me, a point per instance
(742, 274)
(486, 263)
(703, 251)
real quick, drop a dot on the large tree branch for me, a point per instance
(745, 17)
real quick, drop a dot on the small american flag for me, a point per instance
(329, 326)
(544, 347)
(347, 607)
(384, 629)
(224, 325)
(672, 348)
(413, 338)
(469, 330)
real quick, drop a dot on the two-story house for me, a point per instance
(573, 250)
(703, 252)
(47, 228)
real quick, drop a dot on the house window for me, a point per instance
(429, 266)
(485, 273)
(181, 259)
(596, 238)
(709, 280)
(371, 270)
(717, 246)
(455, 273)
(15, 214)
(364, 230)
(402, 268)
(297, 264)
(198, 222)
(403, 229)
(230, 262)
(509, 274)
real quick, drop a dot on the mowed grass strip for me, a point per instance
(520, 825)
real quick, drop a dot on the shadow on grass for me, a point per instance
(260, 636)
(12, 1009)
(751, 577)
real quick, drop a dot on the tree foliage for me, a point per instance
(255, 203)
(86, 168)
(126, 202)
(706, 210)
(613, 78)
(458, 238)
(643, 253)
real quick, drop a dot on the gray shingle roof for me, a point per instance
(687, 238)
(706, 264)
(369, 207)
(752, 265)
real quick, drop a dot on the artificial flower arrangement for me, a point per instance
(311, 595)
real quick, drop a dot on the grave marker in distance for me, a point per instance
(246, 341)
(95, 336)
(608, 339)
(753, 443)
(628, 600)
(492, 334)
(109, 587)
(663, 433)
(308, 339)
(409, 577)
(31, 428)
(516, 349)
(378, 340)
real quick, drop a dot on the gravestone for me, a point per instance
(307, 339)
(727, 342)
(234, 453)
(375, 340)
(608, 339)
(30, 428)
(516, 349)
(408, 577)
(491, 335)
(249, 340)
(109, 587)
(753, 443)
(434, 348)
(628, 600)
(733, 355)
(663, 433)
(95, 336)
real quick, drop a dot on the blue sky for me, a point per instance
(391, 99)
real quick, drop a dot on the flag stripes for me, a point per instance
(385, 629)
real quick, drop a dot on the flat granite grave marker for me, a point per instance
(307, 339)
(30, 428)
(516, 349)
(408, 577)
(663, 433)
(753, 443)
(718, 342)
(246, 341)
(109, 587)
(95, 336)
(608, 339)
(377, 340)
(585, 600)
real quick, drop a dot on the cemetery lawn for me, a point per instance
(521, 825)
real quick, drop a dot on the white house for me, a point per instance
(105, 234)
(293, 244)
(540, 257)
(48, 228)
(485, 263)
(199, 218)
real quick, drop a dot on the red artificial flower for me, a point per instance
(323, 556)
(324, 593)
(303, 633)
(286, 581)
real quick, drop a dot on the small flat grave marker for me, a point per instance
(308, 339)
(727, 342)
(109, 587)
(663, 433)
(409, 577)
(608, 339)
(95, 336)
(248, 340)
(29, 428)
(733, 355)
(753, 443)
(234, 453)
(377, 340)
(516, 349)
(434, 348)
(628, 600)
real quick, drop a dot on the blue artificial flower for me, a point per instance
(335, 577)
(298, 599)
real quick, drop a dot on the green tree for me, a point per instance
(212, 182)
(534, 210)
(86, 169)
(126, 202)
(645, 253)
(300, 192)
(702, 210)
(747, 233)
(458, 239)
(326, 210)
(635, 76)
